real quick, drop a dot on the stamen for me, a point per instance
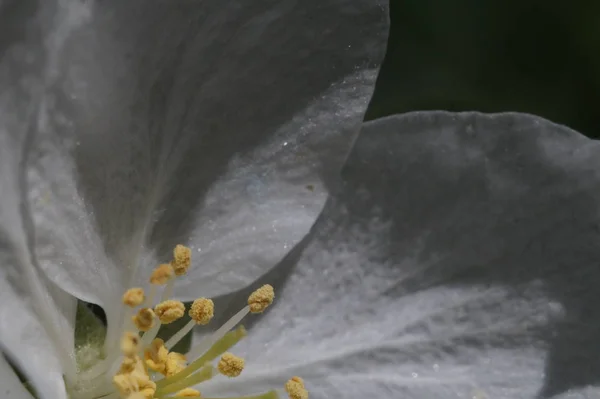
(144, 319)
(130, 343)
(230, 365)
(150, 297)
(162, 274)
(128, 364)
(175, 363)
(188, 393)
(182, 259)
(201, 312)
(206, 373)
(206, 343)
(149, 336)
(221, 346)
(260, 299)
(169, 311)
(295, 388)
(133, 297)
(156, 356)
(131, 376)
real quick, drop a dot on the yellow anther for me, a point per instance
(182, 259)
(156, 356)
(128, 365)
(134, 383)
(144, 319)
(147, 388)
(175, 363)
(260, 299)
(230, 365)
(133, 297)
(295, 388)
(130, 343)
(188, 393)
(169, 311)
(202, 310)
(161, 274)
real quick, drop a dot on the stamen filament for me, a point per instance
(206, 343)
(178, 336)
(149, 336)
(206, 373)
(221, 346)
(150, 297)
(168, 291)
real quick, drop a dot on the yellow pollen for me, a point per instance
(202, 310)
(295, 388)
(176, 362)
(133, 297)
(182, 259)
(188, 393)
(130, 343)
(144, 319)
(156, 356)
(260, 299)
(169, 311)
(230, 365)
(162, 274)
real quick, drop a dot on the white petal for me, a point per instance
(173, 121)
(459, 260)
(11, 387)
(24, 339)
(24, 335)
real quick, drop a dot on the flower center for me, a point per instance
(147, 368)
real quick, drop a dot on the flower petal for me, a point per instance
(24, 339)
(217, 125)
(25, 333)
(459, 260)
(12, 388)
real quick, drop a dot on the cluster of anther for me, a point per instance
(151, 370)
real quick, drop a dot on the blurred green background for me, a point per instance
(539, 57)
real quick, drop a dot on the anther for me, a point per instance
(128, 364)
(182, 259)
(169, 311)
(156, 356)
(176, 362)
(260, 299)
(295, 388)
(230, 365)
(162, 274)
(144, 319)
(188, 393)
(133, 297)
(130, 343)
(202, 310)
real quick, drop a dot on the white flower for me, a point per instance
(459, 260)
(130, 127)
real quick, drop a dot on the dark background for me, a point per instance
(539, 57)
